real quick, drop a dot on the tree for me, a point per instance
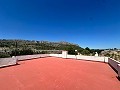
(107, 54)
(4, 55)
(26, 52)
(85, 52)
(15, 53)
(115, 49)
(21, 52)
(87, 49)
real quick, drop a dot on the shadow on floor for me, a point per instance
(118, 78)
(10, 66)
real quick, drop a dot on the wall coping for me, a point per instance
(115, 60)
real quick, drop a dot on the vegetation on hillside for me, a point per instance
(112, 53)
(26, 47)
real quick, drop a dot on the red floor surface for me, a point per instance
(58, 74)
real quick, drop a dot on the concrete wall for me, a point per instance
(12, 61)
(60, 55)
(93, 58)
(64, 54)
(56, 55)
(106, 59)
(113, 63)
(72, 56)
(26, 57)
(119, 70)
(7, 61)
(79, 57)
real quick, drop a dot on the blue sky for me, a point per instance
(89, 23)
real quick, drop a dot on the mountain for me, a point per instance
(11, 47)
(34, 44)
(8, 45)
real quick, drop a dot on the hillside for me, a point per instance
(115, 54)
(37, 45)
(10, 47)
(20, 47)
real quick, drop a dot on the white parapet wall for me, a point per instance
(113, 63)
(64, 54)
(56, 55)
(79, 57)
(60, 55)
(26, 57)
(119, 70)
(44, 55)
(72, 56)
(12, 61)
(7, 61)
(93, 58)
(90, 58)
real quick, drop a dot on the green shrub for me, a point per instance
(4, 55)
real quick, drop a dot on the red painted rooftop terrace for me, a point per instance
(52, 73)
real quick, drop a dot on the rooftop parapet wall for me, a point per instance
(13, 61)
(113, 63)
(93, 58)
(119, 70)
(55, 55)
(7, 61)
(26, 57)
(79, 57)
